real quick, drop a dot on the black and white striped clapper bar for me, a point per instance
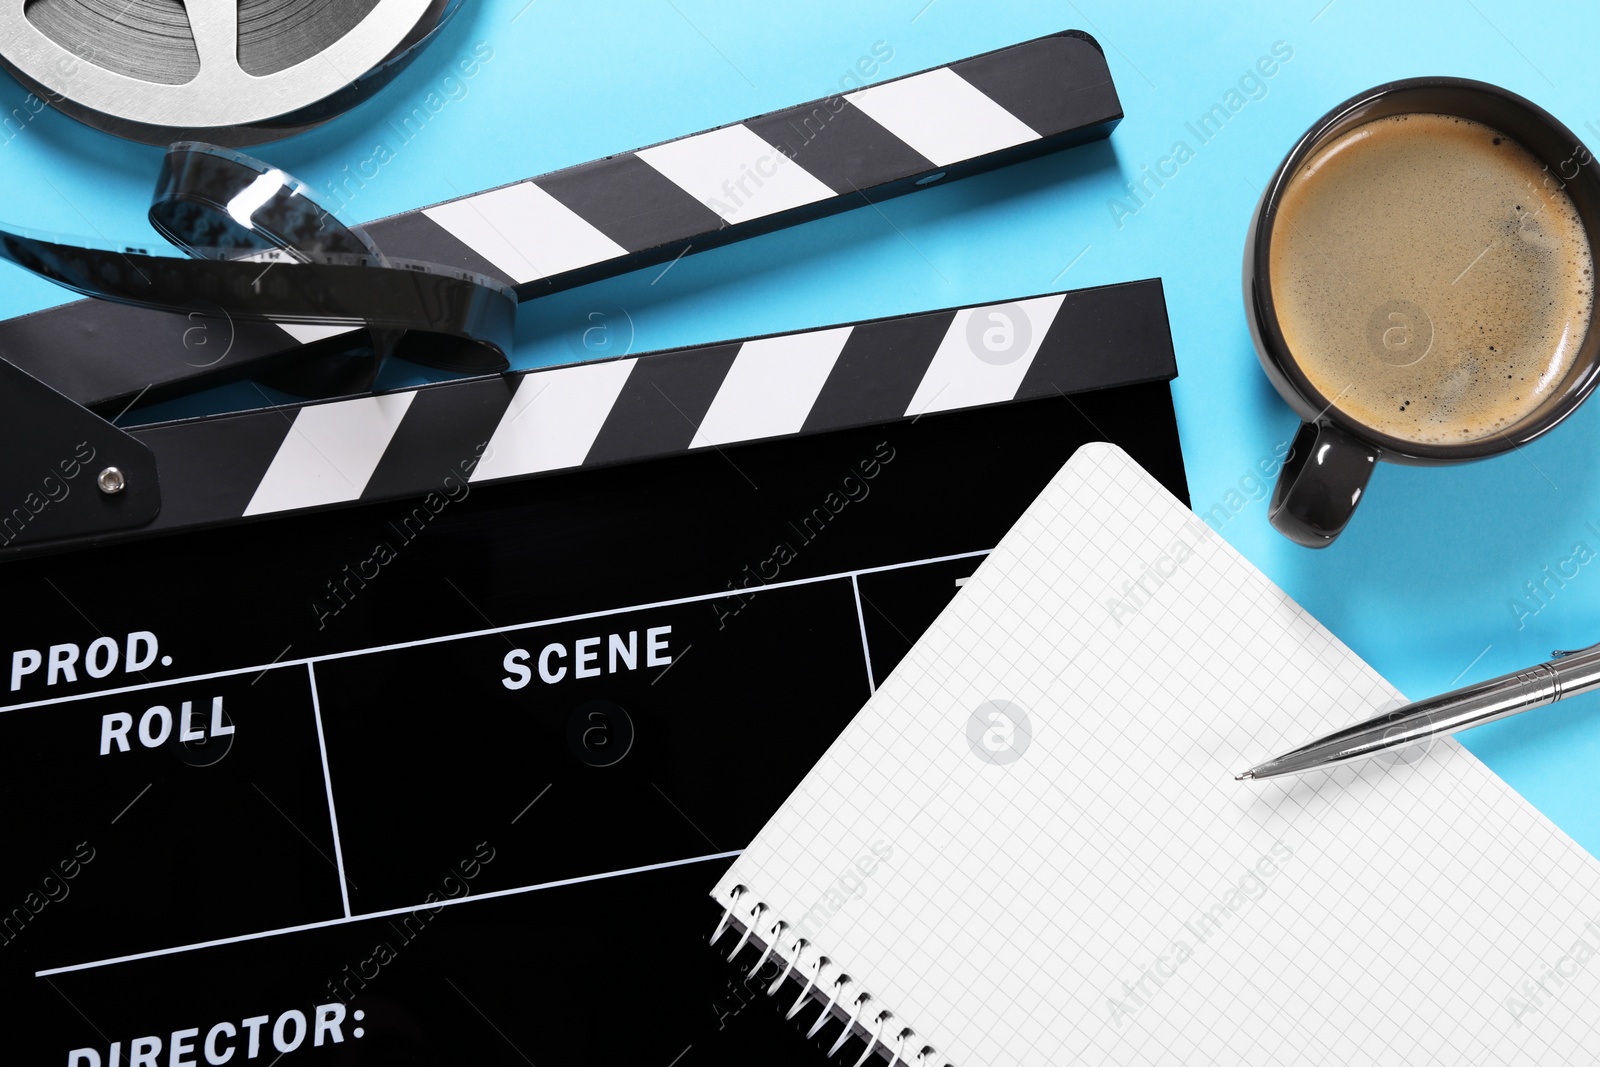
(643, 207)
(634, 209)
(295, 458)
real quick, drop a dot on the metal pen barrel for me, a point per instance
(1459, 709)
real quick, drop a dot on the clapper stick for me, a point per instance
(635, 209)
(243, 466)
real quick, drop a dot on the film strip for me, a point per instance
(262, 250)
(645, 207)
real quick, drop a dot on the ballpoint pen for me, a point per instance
(1567, 675)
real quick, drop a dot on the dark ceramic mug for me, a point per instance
(1333, 454)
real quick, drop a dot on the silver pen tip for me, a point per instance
(1244, 776)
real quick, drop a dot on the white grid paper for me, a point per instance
(1419, 905)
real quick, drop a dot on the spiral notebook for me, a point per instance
(1029, 848)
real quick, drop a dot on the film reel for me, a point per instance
(231, 72)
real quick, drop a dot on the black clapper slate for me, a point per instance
(452, 792)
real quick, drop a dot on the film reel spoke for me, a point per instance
(215, 25)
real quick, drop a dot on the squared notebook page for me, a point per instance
(1111, 895)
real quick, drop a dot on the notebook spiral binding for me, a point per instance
(804, 961)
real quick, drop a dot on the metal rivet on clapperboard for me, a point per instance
(111, 481)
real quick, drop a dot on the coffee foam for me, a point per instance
(1431, 278)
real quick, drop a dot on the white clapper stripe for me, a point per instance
(943, 116)
(735, 173)
(771, 387)
(985, 355)
(304, 333)
(330, 453)
(553, 419)
(268, 255)
(525, 232)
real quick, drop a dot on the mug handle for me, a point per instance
(1320, 484)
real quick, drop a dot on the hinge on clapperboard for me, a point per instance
(314, 307)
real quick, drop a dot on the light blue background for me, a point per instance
(1422, 585)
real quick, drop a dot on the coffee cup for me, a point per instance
(1374, 319)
